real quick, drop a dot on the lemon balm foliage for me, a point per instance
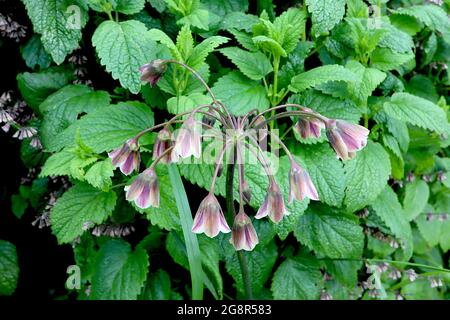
(223, 149)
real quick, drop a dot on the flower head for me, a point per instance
(300, 184)
(188, 140)
(243, 236)
(5, 116)
(346, 138)
(273, 205)
(127, 157)
(209, 218)
(144, 190)
(162, 143)
(24, 133)
(153, 71)
(309, 128)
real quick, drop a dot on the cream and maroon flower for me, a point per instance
(273, 205)
(209, 218)
(243, 236)
(153, 71)
(162, 143)
(346, 138)
(144, 190)
(300, 184)
(309, 128)
(188, 140)
(127, 157)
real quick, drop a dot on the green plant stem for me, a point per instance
(231, 213)
(110, 15)
(190, 238)
(366, 121)
(276, 66)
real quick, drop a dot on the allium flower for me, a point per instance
(162, 143)
(144, 190)
(243, 236)
(153, 71)
(309, 128)
(346, 138)
(411, 274)
(127, 157)
(5, 116)
(209, 218)
(273, 205)
(300, 184)
(188, 141)
(36, 143)
(24, 133)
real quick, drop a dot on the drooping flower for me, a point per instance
(127, 157)
(309, 128)
(188, 140)
(162, 143)
(153, 71)
(5, 116)
(144, 190)
(24, 133)
(346, 138)
(209, 218)
(300, 184)
(273, 205)
(243, 236)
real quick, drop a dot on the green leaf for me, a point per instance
(62, 108)
(287, 28)
(120, 273)
(182, 104)
(129, 6)
(321, 75)
(79, 205)
(396, 39)
(254, 65)
(388, 208)
(203, 49)
(9, 268)
(198, 18)
(330, 232)
(244, 39)
(123, 48)
(158, 286)
(223, 7)
(297, 278)
(34, 54)
(260, 262)
(35, 87)
(114, 124)
(99, 175)
(366, 176)
(160, 36)
(417, 111)
(59, 23)
(326, 171)
(416, 198)
(240, 94)
(19, 205)
(269, 45)
(345, 272)
(385, 59)
(294, 64)
(325, 14)
(435, 232)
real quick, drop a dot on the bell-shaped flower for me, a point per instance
(346, 138)
(300, 184)
(127, 157)
(162, 143)
(273, 205)
(243, 236)
(209, 218)
(188, 141)
(153, 71)
(144, 190)
(309, 128)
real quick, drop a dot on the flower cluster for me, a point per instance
(236, 134)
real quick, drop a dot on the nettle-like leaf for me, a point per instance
(417, 111)
(330, 232)
(297, 278)
(99, 175)
(416, 198)
(434, 232)
(34, 54)
(157, 287)
(254, 65)
(366, 176)
(325, 14)
(9, 268)
(59, 22)
(120, 272)
(182, 104)
(80, 205)
(389, 209)
(385, 59)
(123, 47)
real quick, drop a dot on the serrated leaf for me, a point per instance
(288, 27)
(158, 286)
(366, 176)
(416, 198)
(417, 111)
(240, 94)
(325, 14)
(99, 175)
(129, 6)
(34, 54)
(114, 124)
(59, 23)
(330, 232)
(326, 171)
(321, 75)
(297, 278)
(120, 273)
(254, 65)
(79, 205)
(9, 268)
(203, 49)
(269, 45)
(396, 39)
(161, 36)
(244, 39)
(385, 59)
(198, 18)
(223, 7)
(435, 232)
(182, 104)
(388, 208)
(294, 64)
(124, 47)
(345, 272)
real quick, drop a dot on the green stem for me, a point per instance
(231, 213)
(190, 238)
(110, 15)
(276, 66)
(366, 121)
